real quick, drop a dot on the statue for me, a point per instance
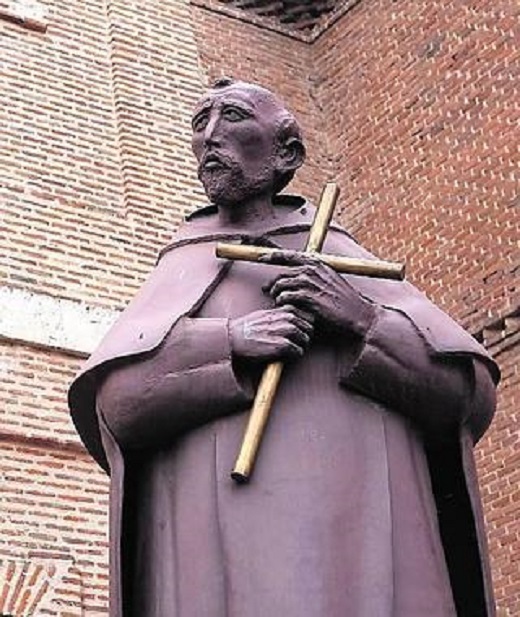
(364, 500)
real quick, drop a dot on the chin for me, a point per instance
(224, 188)
(233, 193)
(228, 189)
(219, 192)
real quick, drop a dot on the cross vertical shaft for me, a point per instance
(270, 379)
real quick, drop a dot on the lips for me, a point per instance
(212, 165)
(212, 162)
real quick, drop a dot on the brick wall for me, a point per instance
(61, 183)
(53, 500)
(498, 458)
(95, 154)
(422, 105)
(95, 173)
(412, 107)
(156, 83)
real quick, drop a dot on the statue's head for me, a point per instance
(245, 141)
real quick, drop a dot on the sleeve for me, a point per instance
(395, 366)
(189, 380)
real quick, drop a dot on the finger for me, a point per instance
(299, 337)
(285, 283)
(306, 316)
(298, 299)
(292, 332)
(287, 276)
(291, 349)
(304, 321)
(300, 317)
(293, 319)
(313, 274)
(296, 328)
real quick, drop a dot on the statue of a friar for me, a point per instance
(364, 501)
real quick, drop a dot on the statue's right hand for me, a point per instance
(271, 334)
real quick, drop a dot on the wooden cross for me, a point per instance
(266, 392)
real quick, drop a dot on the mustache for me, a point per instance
(222, 160)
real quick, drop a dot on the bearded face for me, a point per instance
(234, 141)
(227, 181)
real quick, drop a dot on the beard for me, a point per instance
(228, 184)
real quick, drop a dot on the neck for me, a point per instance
(258, 209)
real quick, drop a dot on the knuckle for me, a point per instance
(287, 347)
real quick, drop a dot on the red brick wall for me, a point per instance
(59, 159)
(54, 499)
(422, 114)
(498, 458)
(95, 172)
(156, 83)
(95, 145)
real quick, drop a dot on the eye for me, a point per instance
(234, 114)
(200, 121)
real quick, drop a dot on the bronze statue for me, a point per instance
(364, 500)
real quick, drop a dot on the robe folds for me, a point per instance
(364, 500)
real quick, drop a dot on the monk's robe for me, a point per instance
(364, 499)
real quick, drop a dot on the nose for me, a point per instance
(211, 131)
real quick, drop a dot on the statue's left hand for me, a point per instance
(313, 286)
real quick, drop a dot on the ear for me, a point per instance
(291, 154)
